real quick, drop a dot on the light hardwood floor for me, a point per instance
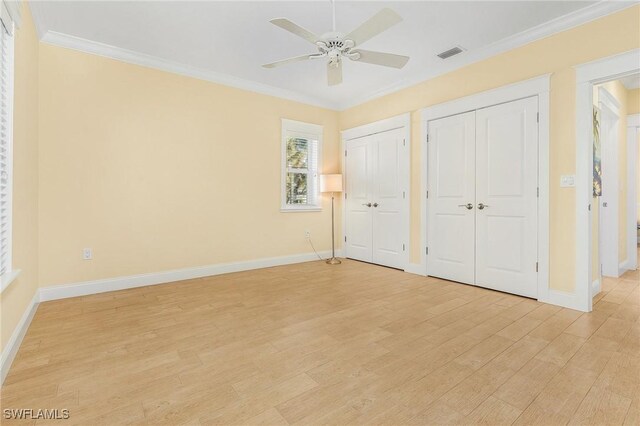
(319, 344)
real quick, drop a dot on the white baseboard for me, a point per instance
(595, 287)
(11, 349)
(623, 267)
(141, 280)
(564, 299)
(416, 268)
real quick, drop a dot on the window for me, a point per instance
(301, 153)
(6, 142)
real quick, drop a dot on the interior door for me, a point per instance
(451, 202)
(359, 220)
(609, 201)
(387, 197)
(506, 196)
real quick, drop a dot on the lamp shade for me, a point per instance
(330, 183)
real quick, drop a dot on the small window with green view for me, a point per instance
(301, 153)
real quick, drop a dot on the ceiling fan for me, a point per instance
(335, 45)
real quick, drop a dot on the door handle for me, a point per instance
(468, 206)
(375, 204)
(482, 206)
(367, 204)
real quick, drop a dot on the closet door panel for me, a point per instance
(387, 198)
(451, 182)
(359, 221)
(506, 182)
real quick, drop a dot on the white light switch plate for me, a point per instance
(567, 181)
(87, 254)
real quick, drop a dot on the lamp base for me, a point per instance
(334, 261)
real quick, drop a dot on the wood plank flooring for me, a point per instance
(319, 344)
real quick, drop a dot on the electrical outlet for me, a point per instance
(87, 254)
(567, 181)
(307, 235)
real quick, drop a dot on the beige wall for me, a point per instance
(556, 54)
(156, 171)
(16, 297)
(633, 101)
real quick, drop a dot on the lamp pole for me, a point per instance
(333, 260)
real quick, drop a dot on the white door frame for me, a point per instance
(539, 87)
(393, 123)
(608, 229)
(633, 127)
(588, 75)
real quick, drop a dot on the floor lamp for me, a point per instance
(332, 184)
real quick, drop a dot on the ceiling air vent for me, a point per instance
(449, 53)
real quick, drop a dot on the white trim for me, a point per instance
(561, 298)
(310, 132)
(7, 276)
(623, 267)
(587, 75)
(508, 93)
(605, 97)
(388, 124)
(12, 346)
(56, 292)
(546, 29)
(633, 126)
(415, 268)
(8, 279)
(149, 61)
(595, 287)
(538, 86)
(385, 125)
(13, 8)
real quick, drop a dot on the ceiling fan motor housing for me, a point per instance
(334, 46)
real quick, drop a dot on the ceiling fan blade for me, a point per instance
(296, 29)
(334, 73)
(378, 23)
(381, 58)
(287, 61)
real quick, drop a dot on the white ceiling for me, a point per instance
(234, 38)
(631, 82)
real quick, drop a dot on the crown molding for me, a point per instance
(563, 23)
(142, 59)
(549, 28)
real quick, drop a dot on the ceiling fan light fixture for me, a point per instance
(335, 45)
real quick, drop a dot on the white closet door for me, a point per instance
(359, 163)
(506, 182)
(387, 199)
(451, 182)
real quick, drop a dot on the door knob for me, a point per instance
(468, 206)
(375, 204)
(482, 206)
(367, 204)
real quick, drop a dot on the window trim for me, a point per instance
(312, 131)
(10, 274)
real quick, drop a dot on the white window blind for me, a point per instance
(301, 154)
(6, 140)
